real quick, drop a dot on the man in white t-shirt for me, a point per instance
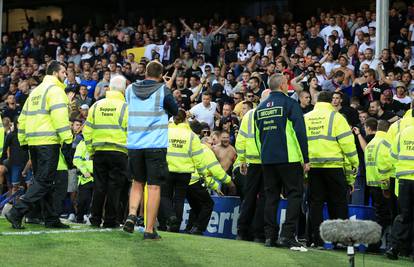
(369, 59)
(254, 46)
(327, 31)
(205, 111)
(368, 43)
(88, 42)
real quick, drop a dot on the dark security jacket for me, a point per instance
(280, 130)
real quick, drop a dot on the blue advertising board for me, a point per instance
(223, 220)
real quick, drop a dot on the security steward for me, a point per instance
(281, 139)
(331, 145)
(252, 208)
(211, 176)
(184, 156)
(403, 159)
(84, 165)
(378, 171)
(45, 129)
(400, 233)
(105, 134)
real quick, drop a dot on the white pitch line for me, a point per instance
(59, 231)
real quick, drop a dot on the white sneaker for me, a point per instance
(72, 217)
(86, 220)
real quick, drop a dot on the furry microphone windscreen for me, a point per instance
(349, 232)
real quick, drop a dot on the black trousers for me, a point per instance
(290, 177)
(382, 207)
(252, 208)
(173, 192)
(403, 227)
(201, 206)
(44, 163)
(85, 193)
(239, 181)
(60, 188)
(110, 175)
(326, 185)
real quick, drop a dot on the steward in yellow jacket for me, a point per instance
(84, 165)
(45, 128)
(198, 196)
(184, 156)
(331, 148)
(105, 135)
(378, 170)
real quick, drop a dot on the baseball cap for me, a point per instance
(400, 84)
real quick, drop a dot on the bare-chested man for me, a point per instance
(225, 153)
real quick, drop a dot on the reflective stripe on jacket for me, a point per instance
(246, 147)
(106, 126)
(184, 153)
(44, 119)
(377, 161)
(330, 138)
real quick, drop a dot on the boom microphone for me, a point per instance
(350, 232)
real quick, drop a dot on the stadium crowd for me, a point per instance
(218, 71)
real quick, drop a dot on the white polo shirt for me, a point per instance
(205, 114)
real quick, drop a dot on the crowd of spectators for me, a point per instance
(219, 67)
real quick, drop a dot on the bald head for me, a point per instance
(117, 83)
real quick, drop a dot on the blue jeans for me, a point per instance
(15, 175)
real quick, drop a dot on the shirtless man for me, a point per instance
(345, 67)
(225, 153)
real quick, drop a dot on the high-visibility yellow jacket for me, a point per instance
(62, 165)
(246, 147)
(106, 126)
(350, 173)
(212, 172)
(396, 128)
(83, 163)
(44, 119)
(330, 139)
(402, 152)
(184, 153)
(2, 136)
(378, 162)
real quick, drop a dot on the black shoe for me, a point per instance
(140, 221)
(14, 219)
(195, 231)
(152, 236)
(292, 244)
(392, 254)
(57, 225)
(269, 243)
(111, 225)
(130, 223)
(241, 236)
(96, 223)
(33, 220)
(173, 224)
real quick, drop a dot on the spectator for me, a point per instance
(375, 110)
(89, 83)
(401, 94)
(305, 102)
(100, 87)
(11, 111)
(205, 111)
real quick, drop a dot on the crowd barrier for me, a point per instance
(223, 221)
